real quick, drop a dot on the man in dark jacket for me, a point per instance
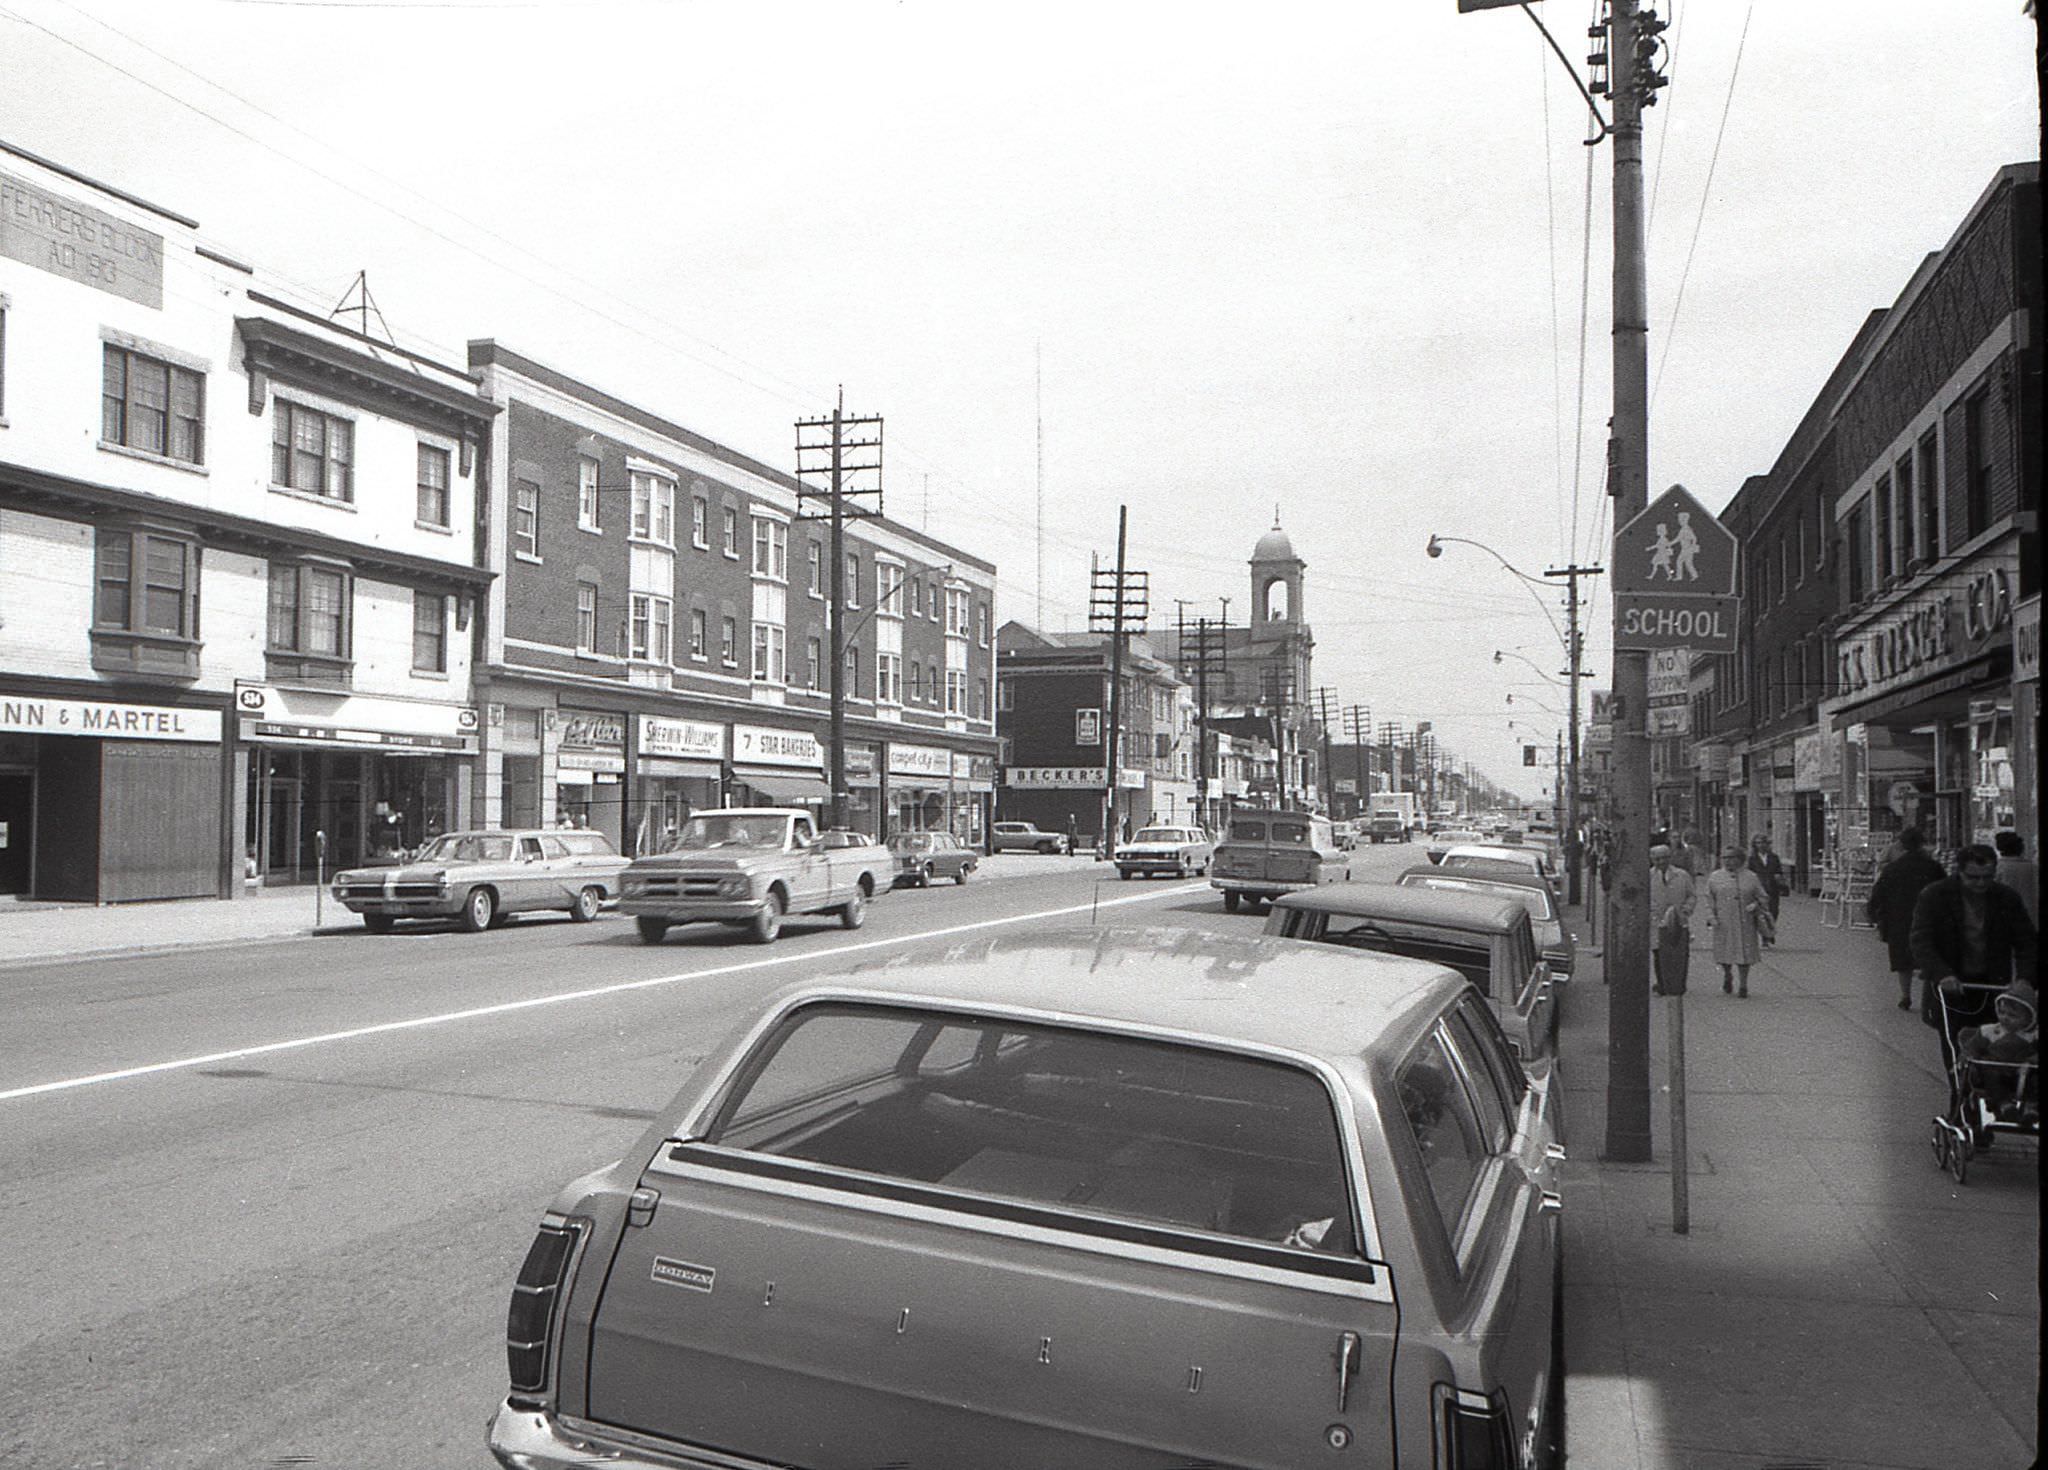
(1970, 929)
(1770, 874)
(1890, 907)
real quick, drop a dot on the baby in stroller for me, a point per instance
(2011, 1045)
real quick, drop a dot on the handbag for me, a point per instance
(1766, 926)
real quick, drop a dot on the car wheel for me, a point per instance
(924, 879)
(479, 910)
(960, 877)
(588, 902)
(652, 930)
(854, 912)
(378, 923)
(1231, 899)
(768, 922)
(1048, 849)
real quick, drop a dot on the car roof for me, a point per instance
(1503, 875)
(748, 811)
(1310, 999)
(1409, 905)
(1496, 851)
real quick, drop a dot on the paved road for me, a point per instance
(267, 1202)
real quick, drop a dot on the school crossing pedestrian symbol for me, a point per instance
(1674, 578)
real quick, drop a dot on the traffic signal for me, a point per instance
(1528, 755)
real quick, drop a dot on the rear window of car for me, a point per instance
(1247, 831)
(1155, 1133)
(1293, 834)
(1470, 955)
(587, 844)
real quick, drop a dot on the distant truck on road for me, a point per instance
(1391, 817)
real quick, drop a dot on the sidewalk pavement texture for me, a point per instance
(36, 933)
(1839, 1301)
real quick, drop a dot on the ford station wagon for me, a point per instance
(1107, 1198)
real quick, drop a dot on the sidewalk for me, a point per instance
(1838, 1301)
(36, 933)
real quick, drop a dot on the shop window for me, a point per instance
(729, 642)
(310, 623)
(429, 633)
(697, 634)
(432, 505)
(586, 617)
(1976, 464)
(313, 453)
(145, 603)
(586, 495)
(526, 519)
(152, 406)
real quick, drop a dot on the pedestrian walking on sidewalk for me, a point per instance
(2019, 872)
(1970, 929)
(1890, 906)
(1770, 872)
(1671, 905)
(1735, 902)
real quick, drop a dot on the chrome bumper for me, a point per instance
(525, 1439)
(683, 910)
(1257, 885)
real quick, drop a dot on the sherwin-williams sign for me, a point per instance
(23, 716)
(51, 232)
(688, 739)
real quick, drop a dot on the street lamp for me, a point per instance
(1499, 654)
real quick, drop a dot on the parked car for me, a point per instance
(1134, 1198)
(1175, 852)
(750, 867)
(1510, 880)
(923, 856)
(1449, 838)
(1023, 837)
(483, 878)
(1487, 939)
(1268, 853)
(837, 838)
(1532, 858)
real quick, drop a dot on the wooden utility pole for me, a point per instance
(1329, 781)
(1575, 643)
(823, 451)
(1118, 603)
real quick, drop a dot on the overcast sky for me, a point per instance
(1324, 257)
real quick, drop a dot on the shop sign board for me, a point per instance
(933, 762)
(607, 762)
(1945, 624)
(1816, 761)
(26, 715)
(861, 761)
(1713, 760)
(1130, 779)
(2026, 640)
(262, 731)
(1600, 722)
(1053, 777)
(1087, 727)
(682, 739)
(982, 767)
(764, 745)
(56, 233)
(590, 729)
(963, 766)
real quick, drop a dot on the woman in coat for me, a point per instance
(1890, 906)
(1734, 899)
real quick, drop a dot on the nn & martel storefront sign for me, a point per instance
(1940, 627)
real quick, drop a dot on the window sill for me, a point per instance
(638, 538)
(327, 500)
(435, 526)
(147, 457)
(696, 545)
(528, 556)
(589, 528)
(439, 676)
(730, 555)
(145, 655)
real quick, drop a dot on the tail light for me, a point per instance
(529, 1326)
(1473, 1431)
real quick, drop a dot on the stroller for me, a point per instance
(1992, 1098)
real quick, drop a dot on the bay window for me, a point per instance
(650, 624)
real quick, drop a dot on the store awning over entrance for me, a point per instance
(1877, 710)
(783, 785)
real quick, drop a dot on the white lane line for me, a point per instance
(593, 993)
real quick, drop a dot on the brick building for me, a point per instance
(657, 631)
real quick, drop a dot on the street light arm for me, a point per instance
(1435, 548)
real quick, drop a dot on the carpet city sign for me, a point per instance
(1674, 578)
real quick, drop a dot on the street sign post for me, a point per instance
(1675, 578)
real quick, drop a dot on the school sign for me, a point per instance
(1674, 578)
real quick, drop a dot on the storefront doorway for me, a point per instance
(17, 830)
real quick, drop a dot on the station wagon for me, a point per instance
(483, 878)
(1106, 1198)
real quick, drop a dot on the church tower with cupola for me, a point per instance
(1276, 584)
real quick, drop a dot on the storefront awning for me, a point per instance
(670, 765)
(781, 785)
(1874, 711)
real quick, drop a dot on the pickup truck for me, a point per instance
(1268, 853)
(751, 867)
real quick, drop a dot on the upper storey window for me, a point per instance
(152, 406)
(313, 452)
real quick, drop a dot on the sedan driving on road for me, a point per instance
(1116, 1197)
(924, 857)
(483, 878)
